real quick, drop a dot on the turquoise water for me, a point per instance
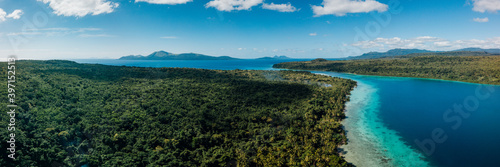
(370, 142)
(400, 121)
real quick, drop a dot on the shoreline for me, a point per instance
(433, 79)
(389, 76)
(358, 150)
(369, 142)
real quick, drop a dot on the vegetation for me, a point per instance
(74, 114)
(490, 51)
(475, 69)
(417, 52)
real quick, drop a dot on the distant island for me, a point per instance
(162, 55)
(275, 57)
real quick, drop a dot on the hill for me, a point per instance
(491, 51)
(162, 55)
(390, 53)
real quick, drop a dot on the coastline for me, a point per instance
(369, 142)
(359, 150)
(390, 76)
(433, 79)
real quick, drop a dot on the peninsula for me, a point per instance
(474, 67)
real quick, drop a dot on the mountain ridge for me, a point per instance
(275, 57)
(490, 51)
(163, 55)
(416, 52)
(389, 53)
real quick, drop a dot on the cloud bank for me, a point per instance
(16, 14)
(80, 8)
(426, 42)
(279, 7)
(165, 2)
(486, 6)
(342, 7)
(481, 20)
(230, 5)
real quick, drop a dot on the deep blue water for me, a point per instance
(417, 107)
(242, 64)
(400, 113)
(464, 119)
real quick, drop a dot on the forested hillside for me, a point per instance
(471, 68)
(73, 114)
(389, 53)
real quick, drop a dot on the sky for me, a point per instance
(103, 29)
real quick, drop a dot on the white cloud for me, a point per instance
(279, 7)
(486, 5)
(166, 2)
(2, 15)
(230, 5)
(426, 42)
(313, 34)
(23, 33)
(424, 39)
(398, 42)
(342, 7)
(16, 14)
(418, 42)
(94, 35)
(481, 20)
(169, 37)
(443, 44)
(87, 29)
(50, 29)
(80, 8)
(55, 31)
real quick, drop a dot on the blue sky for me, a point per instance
(79, 29)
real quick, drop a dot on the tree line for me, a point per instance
(465, 67)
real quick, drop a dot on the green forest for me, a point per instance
(72, 114)
(467, 68)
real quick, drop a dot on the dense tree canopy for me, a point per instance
(467, 68)
(74, 114)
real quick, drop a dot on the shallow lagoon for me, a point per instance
(455, 123)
